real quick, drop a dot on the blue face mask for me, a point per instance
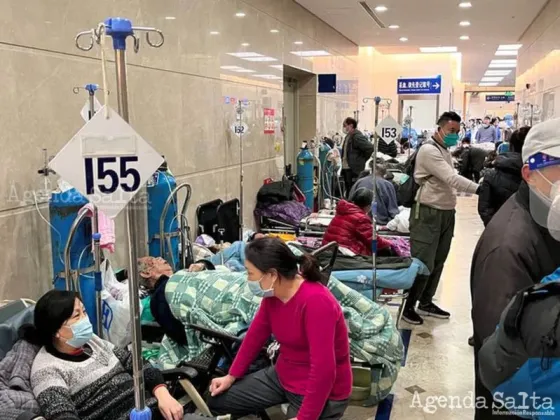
(451, 139)
(82, 332)
(257, 290)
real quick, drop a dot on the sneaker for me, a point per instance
(432, 310)
(412, 317)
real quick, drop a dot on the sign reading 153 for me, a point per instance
(390, 132)
(107, 174)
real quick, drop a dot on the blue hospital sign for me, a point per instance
(419, 86)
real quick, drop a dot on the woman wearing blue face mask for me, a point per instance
(78, 376)
(313, 372)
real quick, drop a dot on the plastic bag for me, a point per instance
(117, 327)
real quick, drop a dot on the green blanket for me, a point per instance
(222, 301)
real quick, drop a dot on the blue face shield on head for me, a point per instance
(82, 333)
(257, 290)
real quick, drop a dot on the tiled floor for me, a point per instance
(440, 361)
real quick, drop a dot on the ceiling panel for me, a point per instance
(428, 23)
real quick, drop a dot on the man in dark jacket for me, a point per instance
(356, 151)
(503, 181)
(517, 249)
(472, 161)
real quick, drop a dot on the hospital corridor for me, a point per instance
(279, 210)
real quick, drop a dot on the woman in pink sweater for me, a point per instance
(313, 372)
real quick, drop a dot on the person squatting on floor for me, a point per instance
(432, 219)
(313, 372)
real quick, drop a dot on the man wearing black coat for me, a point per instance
(503, 181)
(356, 151)
(517, 248)
(472, 161)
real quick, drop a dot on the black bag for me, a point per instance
(406, 195)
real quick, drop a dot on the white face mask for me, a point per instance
(553, 200)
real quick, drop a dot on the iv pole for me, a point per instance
(239, 127)
(120, 29)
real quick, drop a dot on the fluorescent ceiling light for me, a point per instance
(512, 61)
(506, 53)
(497, 72)
(491, 79)
(274, 31)
(261, 59)
(319, 53)
(438, 49)
(245, 54)
(277, 66)
(394, 26)
(509, 47)
(403, 39)
(170, 18)
(268, 76)
(502, 66)
(487, 84)
(245, 44)
(240, 14)
(381, 9)
(237, 69)
(214, 33)
(298, 43)
(465, 5)
(465, 23)
(465, 38)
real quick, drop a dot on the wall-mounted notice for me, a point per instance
(269, 122)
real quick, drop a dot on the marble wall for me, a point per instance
(181, 99)
(538, 75)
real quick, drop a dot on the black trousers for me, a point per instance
(261, 390)
(349, 181)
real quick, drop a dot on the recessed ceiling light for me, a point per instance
(509, 47)
(465, 38)
(245, 54)
(394, 26)
(438, 49)
(268, 76)
(491, 79)
(298, 43)
(381, 9)
(497, 73)
(274, 31)
(170, 18)
(214, 33)
(318, 53)
(465, 5)
(507, 53)
(240, 14)
(465, 23)
(245, 44)
(403, 39)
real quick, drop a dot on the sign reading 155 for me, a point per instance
(390, 132)
(110, 173)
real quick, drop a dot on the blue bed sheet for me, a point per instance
(361, 280)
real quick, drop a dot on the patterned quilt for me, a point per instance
(222, 301)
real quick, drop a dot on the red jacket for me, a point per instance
(351, 228)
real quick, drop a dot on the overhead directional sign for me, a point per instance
(389, 130)
(107, 161)
(419, 86)
(86, 111)
(500, 98)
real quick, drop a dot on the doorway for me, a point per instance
(424, 110)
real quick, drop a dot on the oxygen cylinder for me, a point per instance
(305, 170)
(159, 189)
(63, 210)
(324, 149)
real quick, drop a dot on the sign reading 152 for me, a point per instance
(239, 129)
(107, 174)
(390, 132)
